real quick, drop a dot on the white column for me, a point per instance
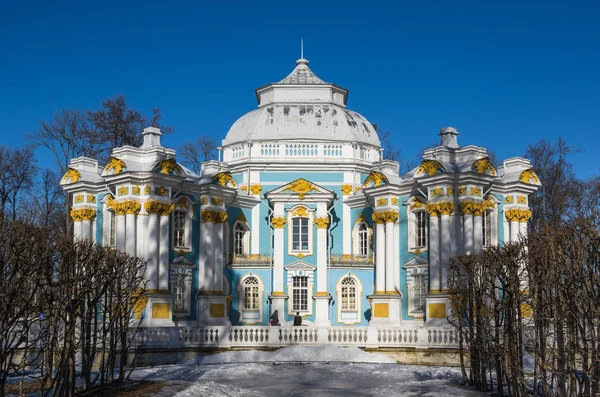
(397, 255)
(120, 243)
(321, 254)
(77, 230)
(434, 252)
(514, 230)
(130, 230)
(218, 243)
(255, 232)
(141, 234)
(278, 259)
(379, 257)
(163, 255)
(389, 256)
(477, 232)
(86, 229)
(152, 251)
(468, 232)
(347, 230)
(446, 249)
(203, 257)
(523, 228)
(209, 264)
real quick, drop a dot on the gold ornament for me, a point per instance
(83, 214)
(203, 200)
(436, 192)
(169, 167)
(91, 198)
(225, 178)
(116, 165)
(322, 223)
(462, 191)
(255, 189)
(475, 191)
(161, 191)
(518, 215)
(220, 217)
(123, 191)
(382, 202)
(346, 190)
(182, 203)
(127, 207)
(521, 200)
(300, 211)
(208, 216)
(416, 204)
(147, 189)
(529, 176)
(78, 199)
(158, 207)
(376, 178)
(71, 176)
(390, 216)
(394, 200)
(278, 222)
(450, 192)
(216, 201)
(244, 188)
(301, 187)
(378, 217)
(483, 166)
(136, 190)
(429, 168)
(509, 200)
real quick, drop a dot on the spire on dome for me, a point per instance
(302, 74)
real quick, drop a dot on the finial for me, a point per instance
(301, 48)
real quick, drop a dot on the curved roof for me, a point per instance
(302, 107)
(318, 122)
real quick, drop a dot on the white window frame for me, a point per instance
(252, 315)
(412, 215)
(417, 282)
(108, 215)
(245, 240)
(492, 214)
(300, 269)
(184, 207)
(309, 216)
(349, 316)
(180, 277)
(112, 228)
(357, 239)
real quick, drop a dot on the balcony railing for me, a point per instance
(347, 260)
(250, 260)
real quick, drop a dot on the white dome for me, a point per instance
(302, 107)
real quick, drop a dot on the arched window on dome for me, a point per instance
(250, 291)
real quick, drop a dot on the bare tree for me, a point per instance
(17, 172)
(193, 154)
(390, 152)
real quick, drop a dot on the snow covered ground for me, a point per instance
(305, 371)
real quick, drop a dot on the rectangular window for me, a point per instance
(419, 291)
(251, 297)
(348, 297)
(179, 228)
(300, 294)
(112, 231)
(300, 234)
(421, 229)
(486, 228)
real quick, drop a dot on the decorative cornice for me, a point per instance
(127, 207)
(322, 223)
(442, 208)
(158, 207)
(278, 222)
(385, 217)
(214, 216)
(518, 215)
(83, 214)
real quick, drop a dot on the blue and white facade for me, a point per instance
(300, 214)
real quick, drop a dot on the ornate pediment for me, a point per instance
(416, 262)
(300, 266)
(300, 187)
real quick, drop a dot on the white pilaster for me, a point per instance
(120, 243)
(163, 256)
(434, 253)
(130, 230)
(86, 229)
(446, 248)
(523, 229)
(278, 296)
(389, 257)
(322, 296)
(152, 251)
(347, 230)
(514, 231)
(209, 262)
(255, 232)
(77, 230)
(477, 232)
(468, 233)
(380, 257)
(218, 272)
(397, 256)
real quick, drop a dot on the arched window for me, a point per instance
(348, 294)
(250, 290)
(240, 243)
(179, 234)
(363, 239)
(251, 293)
(300, 230)
(182, 224)
(112, 228)
(420, 229)
(179, 291)
(300, 234)
(486, 228)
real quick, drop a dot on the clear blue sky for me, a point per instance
(504, 74)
